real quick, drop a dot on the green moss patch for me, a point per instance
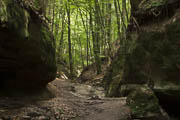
(151, 4)
(18, 20)
(143, 103)
(3, 12)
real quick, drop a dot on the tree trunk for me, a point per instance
(108, 22)
(69, 41)
(117, 19)
(97, 37)
(63, 25)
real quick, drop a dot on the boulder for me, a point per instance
(27, 50)
(89, 73)
(144, 105)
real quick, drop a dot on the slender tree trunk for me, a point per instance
(61, 42)
(117, 19)
(90, 36)
(87, 36)
(90, 48)
(97, 37)
(57, 26)
(103, 28)
(69, 41)
(52, 26)
(82, 60)
(87, 40)
(124, 19)
(92, 29)
(109, 8)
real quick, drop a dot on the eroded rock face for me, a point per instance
(153, 54)
(27, 52)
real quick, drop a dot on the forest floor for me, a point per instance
(63, 100)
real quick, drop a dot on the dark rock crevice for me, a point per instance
(170, 103)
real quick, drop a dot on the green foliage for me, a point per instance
(81, 31)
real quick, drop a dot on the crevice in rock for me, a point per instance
(7, 77)
(170, 103)
(7, 58)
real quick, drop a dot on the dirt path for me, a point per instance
(63, 100)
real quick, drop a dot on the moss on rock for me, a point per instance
(18, 19)
(27, 48)
(147, 5)
(152, 56)
(152, 60)
(143, 103)
(3, 12)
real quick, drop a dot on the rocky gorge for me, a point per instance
(144, 73)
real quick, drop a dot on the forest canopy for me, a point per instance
(86, 30)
